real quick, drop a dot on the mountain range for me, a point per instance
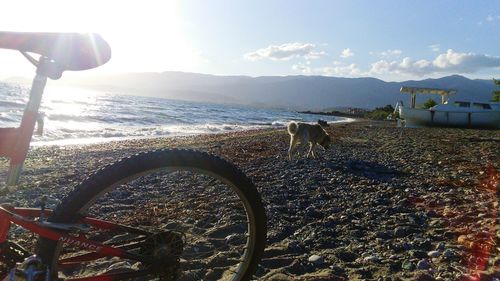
(292, 92)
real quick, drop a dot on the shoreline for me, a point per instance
(98, 140)
(333, 113)
(373, 206)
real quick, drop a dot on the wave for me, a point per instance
(13, 104)
(104, 116)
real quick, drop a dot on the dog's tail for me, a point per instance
(292, 128)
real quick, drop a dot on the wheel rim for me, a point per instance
(212, 214)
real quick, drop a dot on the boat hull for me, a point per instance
(426, 117)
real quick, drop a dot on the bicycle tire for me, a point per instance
(174, 160)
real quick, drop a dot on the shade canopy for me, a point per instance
(417, 90)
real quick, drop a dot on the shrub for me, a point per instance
(429, 103)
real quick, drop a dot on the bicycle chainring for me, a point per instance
(165, 248)
(10, 255)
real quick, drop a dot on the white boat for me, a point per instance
(457, 114)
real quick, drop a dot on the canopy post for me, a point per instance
(413, 91)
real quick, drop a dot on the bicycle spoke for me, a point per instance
(171, 222)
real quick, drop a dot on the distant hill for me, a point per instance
(294, 92)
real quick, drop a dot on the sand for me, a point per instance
(377, 205)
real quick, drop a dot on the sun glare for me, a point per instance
(144, 36)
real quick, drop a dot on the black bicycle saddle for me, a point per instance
(70, 51)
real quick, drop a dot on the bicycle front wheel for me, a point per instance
(193, 216)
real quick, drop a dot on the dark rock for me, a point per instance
(395, 266)
(408, 265)
(313, 213)
(364, 273)
(423, 276)
(434, 254)
(418, 254)
(401, 231)
(294, 246)
(450, 254)
(423, 264)
(296, 267)
(346, 255)
(383, 235)
(424, 245)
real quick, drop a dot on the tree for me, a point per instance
(496, 93)
(430, 103)
(380, 113)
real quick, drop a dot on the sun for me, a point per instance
(143, 35)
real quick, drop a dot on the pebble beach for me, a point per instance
(383, 203)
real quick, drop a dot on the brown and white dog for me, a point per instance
(307, 133)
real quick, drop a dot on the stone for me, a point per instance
(434, 254)
(346, 255)
(423, 264)
(296, 267)
(313, 213)
(395, 266)
(440, 246)
(316, 260)
(400, 231)
(294, 246)
(423, 276)
(408, 265)
(383, 235)
(418, 254)
(450, 254)
(371, 259)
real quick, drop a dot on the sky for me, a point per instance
(393, 40)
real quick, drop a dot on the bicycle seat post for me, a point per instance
(45, 68)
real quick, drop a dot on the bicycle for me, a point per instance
(205, 219)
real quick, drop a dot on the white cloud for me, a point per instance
(406, 63)
(491, 18)
(339, 69)
(285, 52)
(392, 53)
(449, 62)
(434, 47)
(465, 62)
(422, 64)
(345, 70)
(346, 53)
(304, 68)
(389, 53)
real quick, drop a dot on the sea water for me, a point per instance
(76, 116)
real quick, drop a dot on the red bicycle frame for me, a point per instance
(60, 52)
(66, 234)
(14, 142)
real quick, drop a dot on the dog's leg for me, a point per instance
(313, 146)
(291, 149)
(305, 139)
